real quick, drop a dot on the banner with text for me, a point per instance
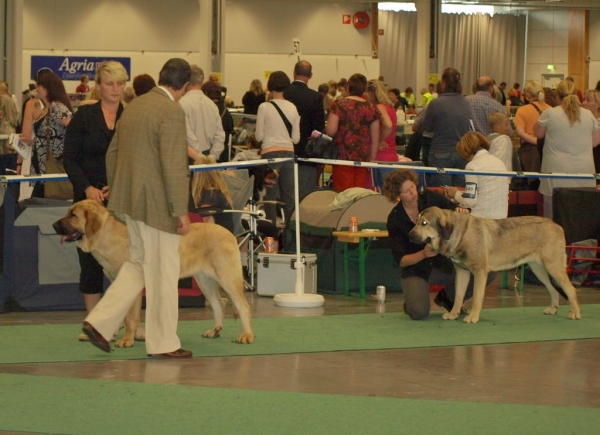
(72, 67)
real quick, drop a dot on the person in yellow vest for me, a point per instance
(426, 97)
(409, 96)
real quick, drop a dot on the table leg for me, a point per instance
(346, 278)
(361, 268)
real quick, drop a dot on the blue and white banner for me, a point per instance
(72, 67)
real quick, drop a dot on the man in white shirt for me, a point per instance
(205, 134)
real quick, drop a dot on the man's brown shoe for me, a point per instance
(179, 353)
(95, 337)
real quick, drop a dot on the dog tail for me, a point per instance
(561, 292)
(236, 314)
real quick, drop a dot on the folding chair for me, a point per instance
(241, 187)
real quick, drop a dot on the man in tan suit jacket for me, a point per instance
(148, 180)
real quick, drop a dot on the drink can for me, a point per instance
(381, 293)
(353, 226)
(270, 244)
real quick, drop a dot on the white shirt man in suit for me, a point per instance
(309, 104)
(148, 179)
(205, 134)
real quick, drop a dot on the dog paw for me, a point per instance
(449, 316)
(212, 333)
(245, 339)
(551, 311)
(124, 342)
(471, 319)
(574, 315)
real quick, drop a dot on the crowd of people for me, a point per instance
(142, 167)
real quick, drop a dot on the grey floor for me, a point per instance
(562, 373)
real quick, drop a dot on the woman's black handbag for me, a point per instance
(321, 148)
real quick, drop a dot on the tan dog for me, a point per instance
(478, 246)
(208, 252)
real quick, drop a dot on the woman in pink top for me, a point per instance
(386, 152)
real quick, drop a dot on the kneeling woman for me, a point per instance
(420, 265)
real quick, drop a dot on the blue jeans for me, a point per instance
(446, 160)
(308, 178)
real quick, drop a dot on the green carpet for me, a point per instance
(75, 406)
(58, 343)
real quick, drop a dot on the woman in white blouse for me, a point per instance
(571, 132)
(278, 128)
(485, 195)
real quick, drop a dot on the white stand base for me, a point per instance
(292, 300)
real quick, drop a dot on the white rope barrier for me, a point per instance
(452, 171)
(193, 168)
(237, 165)
(250, 163)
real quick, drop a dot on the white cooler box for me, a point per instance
(276, 273)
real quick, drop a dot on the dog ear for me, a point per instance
(445, 227)
(92, 223)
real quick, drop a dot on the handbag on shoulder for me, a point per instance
(55, 189)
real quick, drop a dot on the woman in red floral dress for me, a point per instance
(354, 124)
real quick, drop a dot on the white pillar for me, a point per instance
(205, 37)
(222, 24)
(423, 43)
(14, 48)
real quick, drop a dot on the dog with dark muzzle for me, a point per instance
(478, 245)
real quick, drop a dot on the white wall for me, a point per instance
(258, 38)
(111, 25)
(161, 30)
(547, 43)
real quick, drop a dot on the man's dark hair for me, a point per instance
(396, 92)
(175, 74)
(324, 88)
(303, 69)
(278, 81)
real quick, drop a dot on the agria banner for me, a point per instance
(71, 67)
